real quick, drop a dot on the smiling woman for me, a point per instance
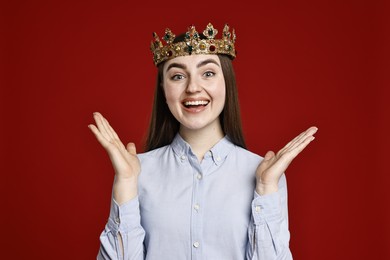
(164, 126)
(196, 193)
(194, 89)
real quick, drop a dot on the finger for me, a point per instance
(99, 123)
(102, 140)
(112, 131)
(289, 144)
(109, 129)
(269, 155)
(108, 132)
(308, 134)
(297, 140)
(106, 126)
(131, 148)
(299, 148)
(111, 148)
(289, 155)
(269, 158)
(114, 136)
(303, 135)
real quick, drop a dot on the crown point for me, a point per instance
(168, 37)
(210, 32)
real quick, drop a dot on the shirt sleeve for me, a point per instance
(268, 231)
(124, 220)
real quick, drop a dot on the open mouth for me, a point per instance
(196, 103)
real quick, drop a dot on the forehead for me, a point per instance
(192, 60)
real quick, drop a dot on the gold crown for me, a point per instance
(193, 44)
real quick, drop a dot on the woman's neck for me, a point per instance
(202, 140)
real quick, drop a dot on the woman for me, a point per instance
(196, 193)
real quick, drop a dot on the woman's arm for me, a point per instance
(123, 235)
(124, 160)
(268, 232)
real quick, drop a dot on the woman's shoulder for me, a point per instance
(245, 154)
(153, 154)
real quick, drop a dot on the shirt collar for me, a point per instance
(218, 152)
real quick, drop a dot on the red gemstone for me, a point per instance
(169, 53)
(212, 48)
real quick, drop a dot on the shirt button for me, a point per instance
(199, 176)
(196, 244)
(183, 157)
(196, 207)
(257, 209)
(218, 159)
(117, 220)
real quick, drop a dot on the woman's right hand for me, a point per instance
(124, 159)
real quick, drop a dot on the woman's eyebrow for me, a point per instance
(176, 65)
(205, 62)
(200, 64)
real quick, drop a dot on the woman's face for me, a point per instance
(194, 89)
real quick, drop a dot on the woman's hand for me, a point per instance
(124, 159)
(273, 166)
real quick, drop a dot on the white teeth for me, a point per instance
(196, 103)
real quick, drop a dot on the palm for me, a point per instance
(274, 165)
(124, 159)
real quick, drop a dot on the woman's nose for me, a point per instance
(193, 86)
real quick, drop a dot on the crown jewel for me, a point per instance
(193, 44)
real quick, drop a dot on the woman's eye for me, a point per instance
(209, 74)
(177, 77)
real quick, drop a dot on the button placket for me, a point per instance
(196, 213)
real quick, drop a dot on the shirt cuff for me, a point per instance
(266, 208)
(124, 217)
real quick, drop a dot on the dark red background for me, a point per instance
(300, 63)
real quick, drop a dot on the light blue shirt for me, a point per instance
(199, 211)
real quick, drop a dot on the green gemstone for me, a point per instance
(188, 49)
(211, 32)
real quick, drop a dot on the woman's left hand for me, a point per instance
(274, 165)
